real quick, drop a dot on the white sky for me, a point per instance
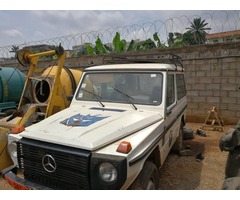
(36, 21)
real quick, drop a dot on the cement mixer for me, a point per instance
(42, 95)
(42, 86)
(11, 87)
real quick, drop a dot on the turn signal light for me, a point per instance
(124, 147)
(15, 185)
(17, 129)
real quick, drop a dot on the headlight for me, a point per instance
(12, 149)
(107, 172)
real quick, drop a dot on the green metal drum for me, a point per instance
(11, 84)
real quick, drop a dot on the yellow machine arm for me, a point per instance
(26, 58)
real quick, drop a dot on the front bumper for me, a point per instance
(19, 183)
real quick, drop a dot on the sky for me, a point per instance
(20, 25)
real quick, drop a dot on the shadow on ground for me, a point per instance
(182, 172)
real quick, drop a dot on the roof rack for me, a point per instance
(144, 58)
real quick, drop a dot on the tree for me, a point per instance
(198, 29)
(188, 38)
(175, 39)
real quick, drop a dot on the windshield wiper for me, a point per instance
(126, 95)
(95, 95)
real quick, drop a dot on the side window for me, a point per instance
(181, 89)
(170, 90)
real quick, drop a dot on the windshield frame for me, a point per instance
(126, 97)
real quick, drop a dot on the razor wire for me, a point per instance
(217, 21)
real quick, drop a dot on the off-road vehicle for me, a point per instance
(121, 125)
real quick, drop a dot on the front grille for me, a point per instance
(71, 165)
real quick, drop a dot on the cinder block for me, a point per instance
(198, 99)
(228, 113)
(213, 99)
(234, 107)
(192, 106)
(206, 93)
(200, 73)
(231, 73)
(198, 86)
(234, 94)
(231, 100)
(229, 87)
(213, 87)
(193, 93)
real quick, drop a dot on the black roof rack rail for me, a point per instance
(144, 58)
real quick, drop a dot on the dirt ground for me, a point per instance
(185, 172)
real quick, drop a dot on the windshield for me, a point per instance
(122, 87)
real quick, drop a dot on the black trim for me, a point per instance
(71, 164)
(120, 164)
(156, 141)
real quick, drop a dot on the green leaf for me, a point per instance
(124, 45)
(90, 50)
(131, 46)
(100, 47)
(156, 38)
(178, 43)
(118, 44)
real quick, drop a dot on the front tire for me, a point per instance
(148, 179)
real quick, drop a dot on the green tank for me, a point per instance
(11, 87)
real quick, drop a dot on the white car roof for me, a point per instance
(138, 66)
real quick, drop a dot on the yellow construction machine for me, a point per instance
(42, 95)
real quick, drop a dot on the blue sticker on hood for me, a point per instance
(82, 120)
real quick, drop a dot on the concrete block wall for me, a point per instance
(213, 82)
(212, 77)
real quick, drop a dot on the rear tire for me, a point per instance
(148, 179)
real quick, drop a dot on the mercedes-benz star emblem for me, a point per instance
(49, 163)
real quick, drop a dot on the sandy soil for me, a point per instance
(185, 172)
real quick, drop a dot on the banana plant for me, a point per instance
(118, 44)
(122, 46)
(100, 47)
(90, 50)
(157, 39)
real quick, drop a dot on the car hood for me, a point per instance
(90, 128)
